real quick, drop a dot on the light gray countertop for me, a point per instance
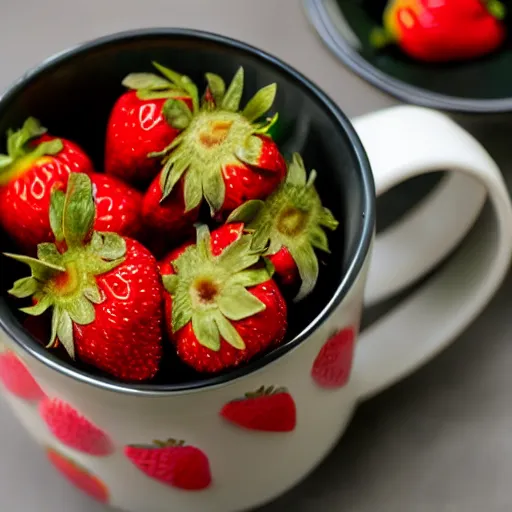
(440, 441)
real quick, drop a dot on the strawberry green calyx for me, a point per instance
(150, 86)
(210, 291)
(263, 391)
(213, 136)
(496, 9)
(63, 274)
(292, 217)
(19, 153)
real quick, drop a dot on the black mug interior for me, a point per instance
(72, 95)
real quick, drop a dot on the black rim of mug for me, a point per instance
(13, 329)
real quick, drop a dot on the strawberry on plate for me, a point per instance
(222, 307)
(222, 155)
(17, 379)
(34, 164)
(289, 226)
(136, 126)
(80, 477)
(172, 463)
(73, 429)
(267, 409)
(104, 290)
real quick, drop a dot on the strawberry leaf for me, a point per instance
(172, 172)
(205, 329)
(181, 81)
(39, 308)
(48, 147)
(147, 81)
(250, 152)
(79, 210)
(65, 333)
(108, 246)
(5, 161)
(216, 86)
(57, 200)
(307, 264)
(81, 310)
(228, 332)
(233, 96)
(247, 212)
(24, 287)
(248, 278)
(192, 190)
(214, 190)
(41, 270)
(176, 113)
(236, 303)
(296, 175)
(49, 253)
(260, 103)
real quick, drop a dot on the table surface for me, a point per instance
(440, 441)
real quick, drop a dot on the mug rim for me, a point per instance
(11, 327)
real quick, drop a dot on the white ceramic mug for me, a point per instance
(86, 423)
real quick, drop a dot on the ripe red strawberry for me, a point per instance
(269, 410)
(222, 155)
(166, 221)
(172, 463)
(73, 429)
(222, 307)
(17, 379)
(79, 476)
(289, 226)
(33, 165)
(104, 290)
(333, 363)
(136, 126)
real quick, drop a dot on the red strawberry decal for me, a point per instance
(222, 155)
(73, 429)
(222, 307)
(35, 163)
(288, 226)
(172, 463)
(17, 379)
(333, 364)
(267, 409)
(79, 476)
(104, 290)
(137, 127)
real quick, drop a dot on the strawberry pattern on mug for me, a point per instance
(16, 378)
(80, 477)
(267, 409)
(74, 430)
(332, 366)
(172, 463)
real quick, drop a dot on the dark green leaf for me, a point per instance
(181, 311)
(327, 219)
(39, 308)
(173, 172)
(79, 210)
(113, 246)
(176, 113)
(170, 282)
(48, 147)
(318, 239)
(203, 241)
(57, 200)
(181, 81)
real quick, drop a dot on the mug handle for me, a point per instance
(403, 142)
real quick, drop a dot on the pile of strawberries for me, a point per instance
(193, 236)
